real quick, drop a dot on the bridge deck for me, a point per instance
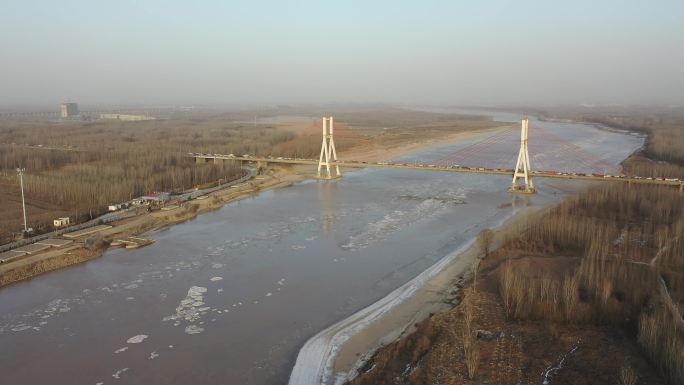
(469, 170)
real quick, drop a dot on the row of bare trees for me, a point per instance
(618, 255)
(80, 168)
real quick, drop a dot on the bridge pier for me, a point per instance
(328, 156)
(522, 167)
(261, 166)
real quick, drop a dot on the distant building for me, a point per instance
(69, 110)
(61, 222)
(127, 118)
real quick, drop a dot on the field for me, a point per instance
(78, 168)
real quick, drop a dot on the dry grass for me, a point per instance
(471, 348)
(610, 236)
(628, 376)
(605, 267)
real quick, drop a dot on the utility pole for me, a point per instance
(20, 171)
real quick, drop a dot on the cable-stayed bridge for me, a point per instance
(547, 156)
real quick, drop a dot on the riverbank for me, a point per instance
(77, 253)
(337, 353)
(545, 304)
(276, 177)
(334, 355)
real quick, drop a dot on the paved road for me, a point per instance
(469, 170)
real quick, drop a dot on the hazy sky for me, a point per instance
(258, 51)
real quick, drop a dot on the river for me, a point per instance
(231, 296)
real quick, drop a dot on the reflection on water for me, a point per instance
(327, 194)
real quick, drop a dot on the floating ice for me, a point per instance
(193, 329)
(219, 290)
(137, 339)
(214, 279)
(153, 355)
(121, 350)
(269, 294)
(394, 222)
(217, 266)
(298, 247)
(190, 309)
(118, 373)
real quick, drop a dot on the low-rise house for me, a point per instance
(61, 222)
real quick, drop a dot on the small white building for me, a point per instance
(61, 222)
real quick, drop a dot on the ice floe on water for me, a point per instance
(394, 222)
(214, 279)
(119, 372)
(193, 329)
(217, 266)
(137, 339)
(117, 351)
(190, 310)
(20, 327)
(39, 316)
(154, 355)
(298, 247)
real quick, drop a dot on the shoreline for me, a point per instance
(58, 258)
(331, 356)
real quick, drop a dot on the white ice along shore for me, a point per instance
(316, 360)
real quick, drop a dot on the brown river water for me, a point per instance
(231, 296)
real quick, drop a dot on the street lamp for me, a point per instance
(20, 171)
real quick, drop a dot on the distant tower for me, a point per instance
(522, 167)
(328, 155)
(68, 110)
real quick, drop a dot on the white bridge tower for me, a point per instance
(522, 167)
(328, 155)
